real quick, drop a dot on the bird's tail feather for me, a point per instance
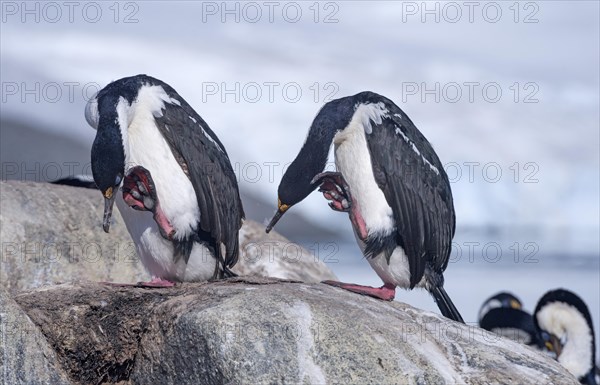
(445, 304)
(222, 267)
(227, 273)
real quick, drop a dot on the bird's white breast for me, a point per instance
(145, 146)
(157, 253)
(396, 272)
(353, 160)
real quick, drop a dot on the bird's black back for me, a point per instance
(420, 198)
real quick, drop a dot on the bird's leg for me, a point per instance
(336, 190)
(386, 292)
(139, 193)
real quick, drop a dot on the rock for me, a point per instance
(259, 331)
(25, 355)
(272, 255)
(53, 234)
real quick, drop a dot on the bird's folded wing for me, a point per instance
(417, 189)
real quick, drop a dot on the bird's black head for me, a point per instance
(296, 183)
(108, 154)
(108, 167)
(503, 299)
(108, 112)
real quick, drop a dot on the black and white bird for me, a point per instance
(393, 186)
(503, 314)
(566, 318)
(180, 199)
(83, 181)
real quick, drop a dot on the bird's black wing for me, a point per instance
(417, 189)
(205, 161)
(512, 320)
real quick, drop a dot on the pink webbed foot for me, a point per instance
(337, 192)
(334, 189)
(156, 283)
(386, 292)
(139, 193)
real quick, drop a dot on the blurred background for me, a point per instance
(507, 93)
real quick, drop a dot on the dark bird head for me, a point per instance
(509, 300)
(297, 182)
(563, 321)
(108, 166)
(106, 112)
(500, 300)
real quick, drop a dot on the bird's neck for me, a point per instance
(576, 354)
(567, 323)
(312, 158)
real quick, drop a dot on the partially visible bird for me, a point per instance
(503, 299)
(391, 183)
(84, 181)
(503, 314)
(174, 172)
(566, 318)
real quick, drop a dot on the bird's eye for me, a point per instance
(118, 180)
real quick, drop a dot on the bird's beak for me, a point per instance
(281, 209)
(109, 201)
(554, 345)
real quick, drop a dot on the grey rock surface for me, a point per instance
(25, 355)
(272, 255)
(52, 234)
(265, 331)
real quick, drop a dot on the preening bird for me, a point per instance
(567, 320)
(391, 183)
(180, 199)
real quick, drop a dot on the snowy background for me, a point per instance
(507, 94)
